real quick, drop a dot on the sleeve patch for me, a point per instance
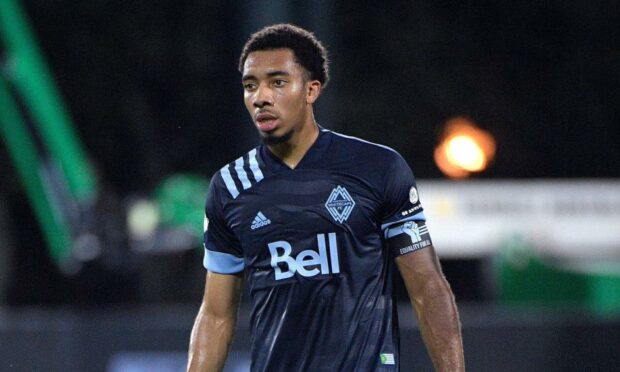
(408, 237)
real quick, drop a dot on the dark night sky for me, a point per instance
(152, 85)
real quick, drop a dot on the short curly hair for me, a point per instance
(308, 51)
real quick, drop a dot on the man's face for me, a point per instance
(275, 94)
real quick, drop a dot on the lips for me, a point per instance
(266, 121)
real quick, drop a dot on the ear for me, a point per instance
(313, 90)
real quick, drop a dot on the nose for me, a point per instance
(263, 97)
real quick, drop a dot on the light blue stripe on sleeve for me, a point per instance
(223, 263)
(416, 217)
(258, 174)
(245, 182)
(230, 184)
(402, 229)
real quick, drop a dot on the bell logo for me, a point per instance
(308, 263)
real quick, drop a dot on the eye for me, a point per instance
(279, 83)
(249, 86)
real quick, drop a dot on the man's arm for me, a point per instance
(433, 301)
(215, 324)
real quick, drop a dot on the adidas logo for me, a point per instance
(259, 221)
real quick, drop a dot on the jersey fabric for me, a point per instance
(313, 244)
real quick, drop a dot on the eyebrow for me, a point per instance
(269, 74)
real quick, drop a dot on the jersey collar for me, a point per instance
(313, 156)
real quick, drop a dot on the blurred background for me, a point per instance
(114, 115)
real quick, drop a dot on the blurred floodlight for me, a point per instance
(464, 148)
(465, 152)
(142, 219)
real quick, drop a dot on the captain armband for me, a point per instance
(408, 237)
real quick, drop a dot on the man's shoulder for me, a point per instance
(361, 148)
(239, 175)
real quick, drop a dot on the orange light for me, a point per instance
(464, 149)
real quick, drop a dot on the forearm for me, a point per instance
(440, 325)
(210, 340)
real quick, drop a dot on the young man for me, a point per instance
(315, 221)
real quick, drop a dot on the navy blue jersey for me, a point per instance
(312, 243)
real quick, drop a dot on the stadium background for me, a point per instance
(153, 91)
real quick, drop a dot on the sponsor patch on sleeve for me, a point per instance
(413, 206)
(408, 237)
(387, 359)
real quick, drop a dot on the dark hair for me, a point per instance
(308, 51)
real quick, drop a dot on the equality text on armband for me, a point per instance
(415, 246)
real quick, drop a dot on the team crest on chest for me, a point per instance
(340, 204)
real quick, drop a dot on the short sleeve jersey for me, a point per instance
(312, 243)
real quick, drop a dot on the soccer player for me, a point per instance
(315, 222)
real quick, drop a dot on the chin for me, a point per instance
(273, 139)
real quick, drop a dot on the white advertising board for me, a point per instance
(567, 218)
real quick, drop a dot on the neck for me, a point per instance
(292, 151)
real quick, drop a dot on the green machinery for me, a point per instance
(51, 163)
(58, 177)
